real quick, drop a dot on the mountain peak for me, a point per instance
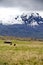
(33, 19)
(35, 14)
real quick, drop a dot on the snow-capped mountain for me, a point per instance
(34, 19)
(24, 25)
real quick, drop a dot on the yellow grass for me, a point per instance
(24, 53)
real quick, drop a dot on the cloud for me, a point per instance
(23, 4)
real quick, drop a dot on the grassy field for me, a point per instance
(24, 53)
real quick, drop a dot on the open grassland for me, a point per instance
(24, 53)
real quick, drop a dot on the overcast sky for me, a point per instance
(23, 4)
(10, 8)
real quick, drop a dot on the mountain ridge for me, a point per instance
(26, 29)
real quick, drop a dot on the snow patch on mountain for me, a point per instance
(40, 22)
(34, 23)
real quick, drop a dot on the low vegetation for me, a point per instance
(23, 53)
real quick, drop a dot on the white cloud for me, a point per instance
(7, 15)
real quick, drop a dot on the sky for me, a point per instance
(23, 4)
(15, 7)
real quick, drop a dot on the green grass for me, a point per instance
(24, 53)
